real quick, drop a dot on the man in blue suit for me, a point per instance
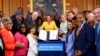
(84, 37)
(96, 12)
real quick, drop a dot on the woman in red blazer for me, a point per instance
(8, 37)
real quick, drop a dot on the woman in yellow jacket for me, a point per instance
(49, 24)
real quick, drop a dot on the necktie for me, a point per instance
(78, 31)
(98, 29)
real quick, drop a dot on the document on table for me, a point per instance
(43, 35)
(53, 34)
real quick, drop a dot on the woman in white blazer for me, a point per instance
(32, 51)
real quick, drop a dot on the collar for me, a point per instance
(82, 24)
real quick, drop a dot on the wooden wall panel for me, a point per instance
(9, 6)
(0, 5)
(15, 5)
(80, 4)
(89, 4)
(83, 4)
(6, 8)
(94, 3)
(25, 8)
(72, 3)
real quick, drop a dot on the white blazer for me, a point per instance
(32, 51)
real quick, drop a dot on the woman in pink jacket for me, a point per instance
(20, 37)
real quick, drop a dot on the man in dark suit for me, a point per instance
(17, 19)
(1, 47)
(1, 40)
(84, 37)
(31, 19)
(96, 12)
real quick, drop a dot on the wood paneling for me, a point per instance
(89, 4)
(6, 8)
(72, 4)
(9, 6)
(80, 4)
(83, 4)
(25, 7)
(16, 4)
(0, 5)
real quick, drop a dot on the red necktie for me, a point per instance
(78, 31)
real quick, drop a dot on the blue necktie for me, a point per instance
(98, 29)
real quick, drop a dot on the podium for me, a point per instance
(51, 48)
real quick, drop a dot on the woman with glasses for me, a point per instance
(20, 37)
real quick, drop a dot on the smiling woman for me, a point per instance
(7, 37)
(7, 22)
(20, 37)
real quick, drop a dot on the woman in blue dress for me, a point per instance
(69, 39)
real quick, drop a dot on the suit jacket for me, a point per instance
(15, 24)
(85, 41)
(28, 21)
(9, 42)
(1, 46)
(97, 35)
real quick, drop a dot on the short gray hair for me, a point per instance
(5, 20)
(95, 7)
(35, 12)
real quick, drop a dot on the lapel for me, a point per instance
(97, 34)
(82, 29)
(76, 32)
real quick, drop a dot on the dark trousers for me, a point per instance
(1, 52)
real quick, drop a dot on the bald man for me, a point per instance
(32, 20)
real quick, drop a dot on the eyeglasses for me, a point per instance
(23, 27)
(10, 23)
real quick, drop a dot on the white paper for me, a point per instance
(53, 35)
(43, 35)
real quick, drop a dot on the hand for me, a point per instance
(78, 53)
(66, 51)
(60, 33)
(37, 37)
(18, 44)
(36, 54)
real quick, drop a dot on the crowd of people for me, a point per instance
(79, 30)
